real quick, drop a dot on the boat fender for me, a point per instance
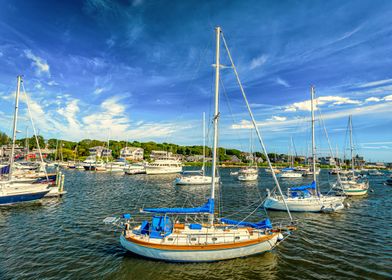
(280, 237)
(347, 205)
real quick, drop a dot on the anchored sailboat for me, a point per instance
(180, 241)
(351, 184)
(306, 198)
(10, 191)
(189, 177)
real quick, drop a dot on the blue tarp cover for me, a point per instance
(262, 224)
(312, 186)
(206, 208)
(5, 169)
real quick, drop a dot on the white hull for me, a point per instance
(195, 180)
(198, 255)
(289, 175)
(312, 204)
(162, 170)
(248, 177)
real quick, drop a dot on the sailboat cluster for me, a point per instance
(27, 182)
(198, 233)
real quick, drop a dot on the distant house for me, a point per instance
(234, 158)
(132, 153)
(100, 151)
(194, 158)
(5, 151)
(327, 161)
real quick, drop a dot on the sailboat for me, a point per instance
(178, 240)
(290, 172)
(251, 172)
(12, 192)
(351, 185)
(306, 198)
(200, 178)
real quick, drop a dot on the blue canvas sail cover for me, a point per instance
(5, 169)
(259, 225)
(312, 186)
(206, 208)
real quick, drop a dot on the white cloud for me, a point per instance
(99, 90)
(322, 100)
(52, 83)
(258, 61)
(282, 82)
(375, 83)
(278, 118)
(387, 98)
(372, 99)
(41, 66)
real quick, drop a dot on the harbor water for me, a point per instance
(65, 238)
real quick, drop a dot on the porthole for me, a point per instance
(214, 239)
(237, 238)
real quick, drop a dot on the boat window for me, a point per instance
(237, 238)
(214, 239)
(170, 239)
(193, 239)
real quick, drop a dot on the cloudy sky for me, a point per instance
(141, 70)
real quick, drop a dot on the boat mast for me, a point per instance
(215, 119)
(313, 137)
(350, 123)
(19, 80)
(204, 143)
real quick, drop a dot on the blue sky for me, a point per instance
(141, 70)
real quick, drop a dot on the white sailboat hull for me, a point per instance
(195, 180)
(199, 255)
(289, 175)
(312, 204)
(248, 177)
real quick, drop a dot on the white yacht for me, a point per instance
(118, 165)
(135, 168)
(166, 165)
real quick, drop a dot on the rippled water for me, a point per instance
(66, 239)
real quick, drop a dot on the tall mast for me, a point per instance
(204, 142)
(350, 124)
(313, 138)
(216, 116)
(19, 80)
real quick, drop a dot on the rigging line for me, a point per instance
(250, 213)
(34, 130)
(328, 140)
(242, 209)
(231, 112)
(256, 127)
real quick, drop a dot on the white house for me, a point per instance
(132, 153)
